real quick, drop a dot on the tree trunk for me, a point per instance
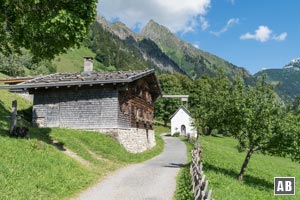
(165, 123)
(209, 131)
(245, 164)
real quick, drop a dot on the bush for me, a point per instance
(176, 134)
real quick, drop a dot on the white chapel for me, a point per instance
(181, 121)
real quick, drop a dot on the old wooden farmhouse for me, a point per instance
(120, 103)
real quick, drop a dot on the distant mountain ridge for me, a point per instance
(192, 60)
(146, 51)
(155, 47)
(286, 79)
(294, 63)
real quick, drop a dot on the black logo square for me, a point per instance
(284, 185)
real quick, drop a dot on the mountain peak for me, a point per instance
(122, 31)
(293, 63)
(153, 30)
(162, 36)
(151, 21)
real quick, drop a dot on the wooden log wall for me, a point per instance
(137, 106)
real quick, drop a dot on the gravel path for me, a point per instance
(154, 179)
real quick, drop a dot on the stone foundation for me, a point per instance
(134, 140)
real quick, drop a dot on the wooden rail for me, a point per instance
(199, 182)
(16, 80)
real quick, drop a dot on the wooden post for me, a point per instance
(13, 119)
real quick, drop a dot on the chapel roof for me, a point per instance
(182, 107)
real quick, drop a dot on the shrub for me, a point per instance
(176, 134)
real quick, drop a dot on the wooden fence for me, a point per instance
(199, 182)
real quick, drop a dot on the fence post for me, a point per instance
(13, 119)
(199, 184)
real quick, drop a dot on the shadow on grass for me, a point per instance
(248, 180)
(24, 118)
(43, 134)
(26, 114)
(217, 135)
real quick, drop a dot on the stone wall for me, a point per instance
(133, 140)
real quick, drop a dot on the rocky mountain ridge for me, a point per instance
(286, 79)
(162, 49)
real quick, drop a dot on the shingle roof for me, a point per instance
(85, 78)
(82, 77)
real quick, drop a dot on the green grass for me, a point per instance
(34, 169)
(24, 108)
(72, 61)
(183, 179)
(3, 75)
(103, 145)
(162, 129)
(222, 163)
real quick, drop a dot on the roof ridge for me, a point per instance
(63, 79)
(184, 108)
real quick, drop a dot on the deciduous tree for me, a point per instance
(171, 84)
(251, 116)
(208, 100)
(45, 27)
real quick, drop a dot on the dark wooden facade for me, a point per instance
(137, 105)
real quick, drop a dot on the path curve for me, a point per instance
(154, 179)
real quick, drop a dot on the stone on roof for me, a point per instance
(90, 76)
(84, 78)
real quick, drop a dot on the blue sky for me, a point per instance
(253, 34)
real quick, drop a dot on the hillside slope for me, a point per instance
(72, 61)
(34, 169)
(222, 163)
(287, 79)
(156, 47)
(3, 75)
(193, 61)
(117, 46)
(24, 109)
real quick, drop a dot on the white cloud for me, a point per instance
(229, 24)
(280, 37)
(204, 23)
(263, 34)
(177, 15)
(196, 45)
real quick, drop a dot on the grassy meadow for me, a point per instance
(34, 169)
(3, 75)
(72, 61)
(222, 163)
(183, 179)
(24, 109)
